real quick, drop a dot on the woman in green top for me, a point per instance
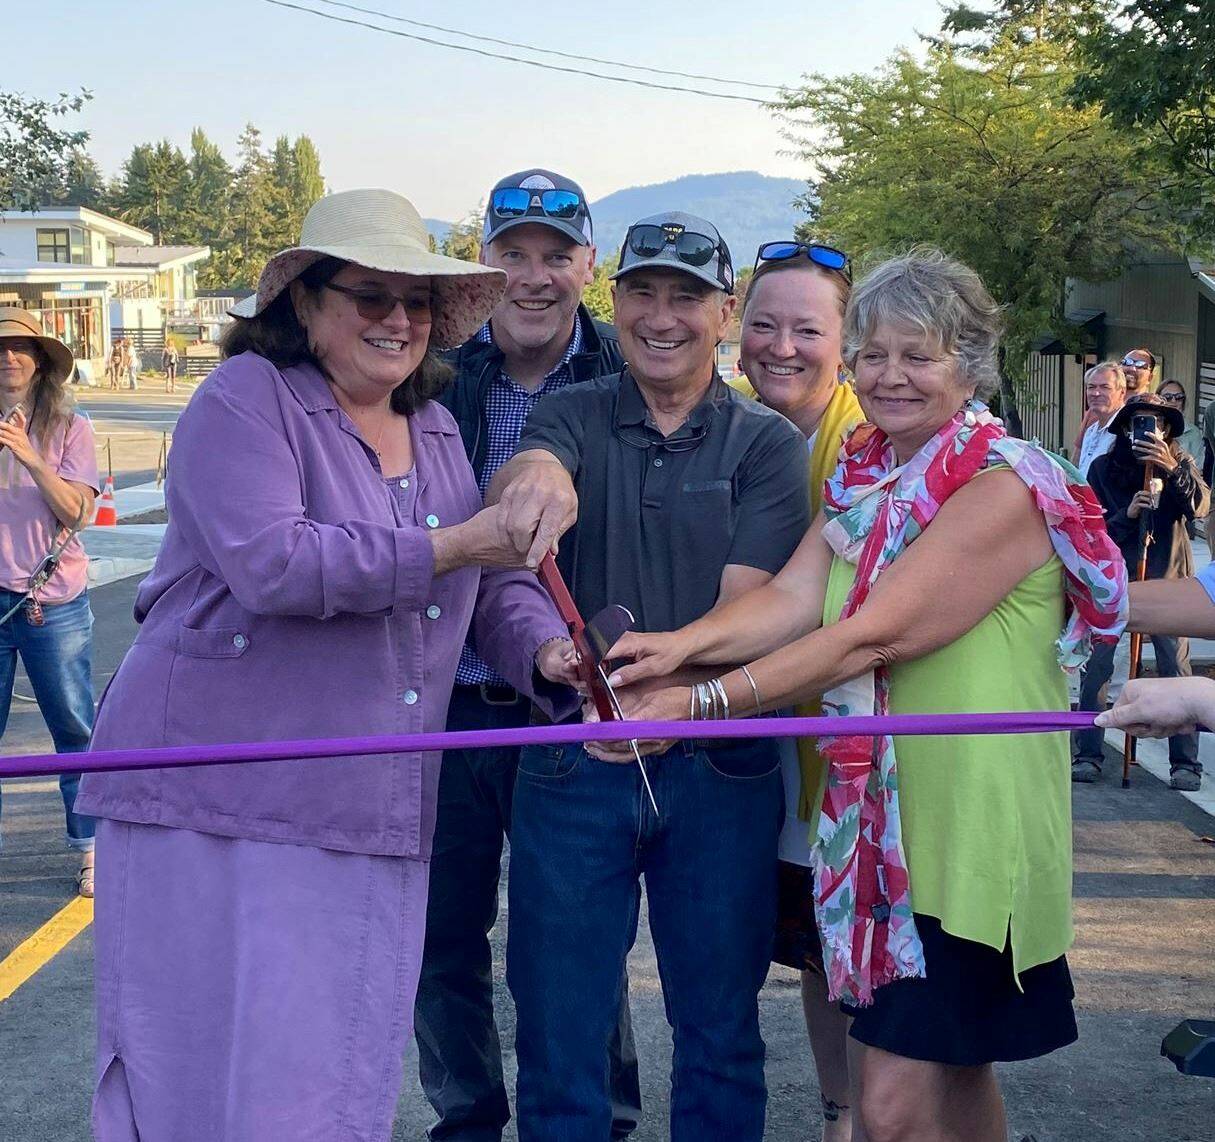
(965, 618)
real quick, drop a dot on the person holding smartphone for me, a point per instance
(48, 480)
(1145, 429)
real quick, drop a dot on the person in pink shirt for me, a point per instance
(48, 480)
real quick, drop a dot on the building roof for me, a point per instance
(157, 257)
(83, 216)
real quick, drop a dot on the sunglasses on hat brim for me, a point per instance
(826, 256)
(648, 240)
(518, 201)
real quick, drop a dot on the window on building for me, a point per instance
(82, 254)
(111, 252)
(54, 246)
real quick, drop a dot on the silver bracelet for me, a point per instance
(754, 689)
(722, 702)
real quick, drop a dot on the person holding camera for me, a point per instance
(1151, 491)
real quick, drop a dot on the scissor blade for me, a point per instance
(645, 777)
(606, 629)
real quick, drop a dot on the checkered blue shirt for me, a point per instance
(507, 406)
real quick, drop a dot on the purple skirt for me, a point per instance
(250, 992)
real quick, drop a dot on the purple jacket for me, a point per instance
(293, 599)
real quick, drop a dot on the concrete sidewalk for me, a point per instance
(126, 549)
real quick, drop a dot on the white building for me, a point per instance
(92, 279)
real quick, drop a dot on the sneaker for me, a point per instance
(1086, 770)
(1185, 779)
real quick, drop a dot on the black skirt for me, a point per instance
(797, 942)
(968, 1011)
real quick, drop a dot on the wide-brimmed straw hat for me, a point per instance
(382, 231)
(16, 322)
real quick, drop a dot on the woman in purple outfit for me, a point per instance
(259, 927)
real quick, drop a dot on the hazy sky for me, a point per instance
(441, 126)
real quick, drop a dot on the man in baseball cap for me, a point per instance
(540, 339)
(682, 242)
(686, 494)
(538, 196)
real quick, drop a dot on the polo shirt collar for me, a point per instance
(632, 409)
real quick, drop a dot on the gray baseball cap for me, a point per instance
(539, 196)
(678, 241)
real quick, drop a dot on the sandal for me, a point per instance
(84, 878)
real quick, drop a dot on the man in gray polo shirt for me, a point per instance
(687, 495)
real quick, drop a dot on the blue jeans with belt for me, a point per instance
(57, 657)
(584, 836)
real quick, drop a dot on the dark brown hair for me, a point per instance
(278, 335)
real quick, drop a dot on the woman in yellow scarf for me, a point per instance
(791, 323)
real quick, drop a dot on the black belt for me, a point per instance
(494, 693)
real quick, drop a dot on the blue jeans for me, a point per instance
(583, 837)
(57, 656)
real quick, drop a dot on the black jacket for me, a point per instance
(477, 363)
(1117, 476)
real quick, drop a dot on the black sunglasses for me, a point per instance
(826, 256)
(516, 201)
(647, 240)
(377, 304)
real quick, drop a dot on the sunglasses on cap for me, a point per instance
(516, 201)
(377, 304)
(648, 240)
(1135, 363)
(826, 256)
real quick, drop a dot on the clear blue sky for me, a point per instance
(437, 125)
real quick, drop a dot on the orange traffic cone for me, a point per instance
(107, 509)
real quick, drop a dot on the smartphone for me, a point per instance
(1144, 426)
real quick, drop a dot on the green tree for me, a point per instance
(1149, 65)
(307, 183)
(463, 240)
(979, 149)
(205, 218)
(598, 295)
(34, 153)
(152, 189)
(250, 209)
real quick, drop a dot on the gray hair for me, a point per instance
(1106, 367)
(942, 298)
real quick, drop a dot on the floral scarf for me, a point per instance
(874, 509)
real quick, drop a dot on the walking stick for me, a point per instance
(1153, 486)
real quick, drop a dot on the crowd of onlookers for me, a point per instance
(124, 365)
(1146, 462)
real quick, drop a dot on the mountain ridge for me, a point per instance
(747, 207)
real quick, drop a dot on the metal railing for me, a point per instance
(197, 308)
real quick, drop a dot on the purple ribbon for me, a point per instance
(173, 757)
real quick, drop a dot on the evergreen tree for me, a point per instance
(250, 211)
(151, 190)
(308, 184)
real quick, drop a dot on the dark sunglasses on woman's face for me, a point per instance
(516, 201)
(1172, 398)
(648, 241)
(826, 256)
(377, 304)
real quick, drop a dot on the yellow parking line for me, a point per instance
(33, 954)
